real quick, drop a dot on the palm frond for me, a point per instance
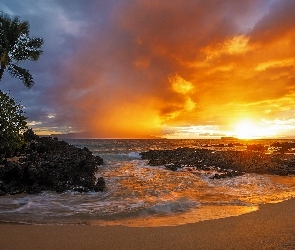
(21, 74)
(11, 30)
(16, 46)
(33, 48)
(23, 27)
(27, 49)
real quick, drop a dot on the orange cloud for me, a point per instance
(159, 66)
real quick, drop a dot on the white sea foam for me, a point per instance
(134, 155)
(136, 192)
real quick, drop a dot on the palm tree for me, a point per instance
(16, 46)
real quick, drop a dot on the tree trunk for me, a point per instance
(2, 71)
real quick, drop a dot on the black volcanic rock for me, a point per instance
(284, 147)
(227, 163)
(257, 147)
(48, 164)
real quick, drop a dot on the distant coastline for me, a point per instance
(228, 138)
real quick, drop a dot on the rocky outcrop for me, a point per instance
(46, 163)
(227, 163)
(283, 147)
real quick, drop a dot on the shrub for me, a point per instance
(12, 125)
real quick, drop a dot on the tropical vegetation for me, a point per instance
(12, 125)
(16, 46)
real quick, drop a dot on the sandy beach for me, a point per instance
(271, 227)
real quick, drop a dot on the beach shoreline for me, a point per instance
(270, 227)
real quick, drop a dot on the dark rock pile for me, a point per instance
(228, 163)
(283, 147)
(45, 163)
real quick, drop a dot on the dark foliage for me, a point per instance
(12, 125)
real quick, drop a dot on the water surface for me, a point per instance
(140, 195)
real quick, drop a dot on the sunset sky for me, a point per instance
(173, 69)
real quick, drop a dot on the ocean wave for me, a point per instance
(138, 192)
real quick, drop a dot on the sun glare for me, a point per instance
(246, 129)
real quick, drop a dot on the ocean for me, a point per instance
(140, 195)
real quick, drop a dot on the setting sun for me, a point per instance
(248, 129)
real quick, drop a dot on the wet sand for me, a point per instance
(271, 227)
